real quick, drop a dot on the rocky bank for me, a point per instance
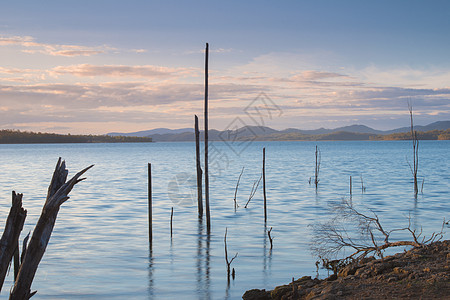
(420, 273)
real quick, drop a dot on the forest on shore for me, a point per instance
(8, 136)
(26, 137)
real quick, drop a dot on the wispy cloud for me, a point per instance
(30, 46)
(145, 71)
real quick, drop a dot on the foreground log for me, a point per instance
(10, 238)
(58, 192)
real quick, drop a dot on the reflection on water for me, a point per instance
(150, 272)
(203, 263)
(101, 239)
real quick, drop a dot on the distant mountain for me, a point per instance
(261, 133)
(146, 133)
(440, 125)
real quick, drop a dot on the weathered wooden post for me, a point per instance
(199, 169)
(236, 190)
(208, 216)
(58, 193)
(350, 185)
(150, 228)
(317, 169)
(264, 184)
(9, 243)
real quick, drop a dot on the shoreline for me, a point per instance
(419, 273)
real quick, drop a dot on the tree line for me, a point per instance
(8, 136)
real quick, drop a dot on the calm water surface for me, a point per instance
(99, 248)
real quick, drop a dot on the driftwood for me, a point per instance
(9, 244)
(58, 192)
(332, 237)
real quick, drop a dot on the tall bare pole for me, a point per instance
(150, 233)
(199, 169)
(415, 144)
(264, 184)
(208, 216)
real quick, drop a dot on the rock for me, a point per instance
(332, 278)
(348, 270)
(420, 273)
(279, 291)
(392, 278)
(256, 294)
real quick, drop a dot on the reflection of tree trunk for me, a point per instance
(198, 261)
(150, 272)
(9, 244)
(58, 192)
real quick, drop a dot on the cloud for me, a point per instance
(30, 46)
(146, 71)
(316, 75)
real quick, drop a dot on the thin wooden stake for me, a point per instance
(228, 262)
(270, 238)
(199, 169)
(317, 169)
(350, 184)
(235, 191)
(264, 184)
(208, 216)
(150, 230)
(253, 191)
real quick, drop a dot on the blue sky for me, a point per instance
(104, 66)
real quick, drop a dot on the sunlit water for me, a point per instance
(99, 248)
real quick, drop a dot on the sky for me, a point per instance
(100, 66)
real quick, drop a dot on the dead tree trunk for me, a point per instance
(199, 169)
(264, 184)
(317, 169)
(415, 145)
(58, 193)
(9, 242)
(150, 212)
(236, 190)
(208, 216)
(350, 185)
(228, 262)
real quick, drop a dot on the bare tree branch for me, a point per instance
(332, 238)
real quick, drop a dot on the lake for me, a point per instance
(99, 248)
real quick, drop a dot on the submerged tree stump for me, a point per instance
(9, 242)
(58, 192)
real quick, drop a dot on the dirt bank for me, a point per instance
(420, 273)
